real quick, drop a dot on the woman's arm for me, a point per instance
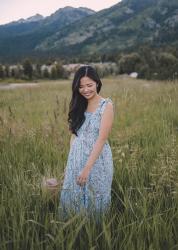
(105, 128)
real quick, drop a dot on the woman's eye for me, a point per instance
(88, 86)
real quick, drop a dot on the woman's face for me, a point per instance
(87, 87)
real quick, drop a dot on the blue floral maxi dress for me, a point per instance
(95, 195)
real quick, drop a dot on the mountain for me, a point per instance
(68, 15)
(81, 32)
(20, 26)
(34, 18)
(125, 25)
(18, 39)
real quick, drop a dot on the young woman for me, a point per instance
(89, 170)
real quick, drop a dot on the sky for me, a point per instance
(12, 10)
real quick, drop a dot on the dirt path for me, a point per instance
(5, 86)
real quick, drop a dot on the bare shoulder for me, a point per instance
(106, 120)
(108, 112)
(109, 105)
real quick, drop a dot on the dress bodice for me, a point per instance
(91, 125)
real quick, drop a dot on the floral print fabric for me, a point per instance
(95, 195)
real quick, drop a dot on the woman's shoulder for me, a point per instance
(105, 103)
(107, 99)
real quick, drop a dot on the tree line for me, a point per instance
(29, 71)
(149, 63)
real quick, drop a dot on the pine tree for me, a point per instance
(1, 71)
(28, 69)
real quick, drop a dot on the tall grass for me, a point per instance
(34, 141)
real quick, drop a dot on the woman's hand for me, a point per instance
(82, 178)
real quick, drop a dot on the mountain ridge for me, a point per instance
(21, 38)
(35, 18)
(124, 26)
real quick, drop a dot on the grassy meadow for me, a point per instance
(34, 141)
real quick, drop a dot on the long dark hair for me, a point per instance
(78, 103)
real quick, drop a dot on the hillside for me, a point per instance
(18, 39)
(124, 26)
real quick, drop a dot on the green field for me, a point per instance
(34, 141)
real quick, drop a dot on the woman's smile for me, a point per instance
(87, 94)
